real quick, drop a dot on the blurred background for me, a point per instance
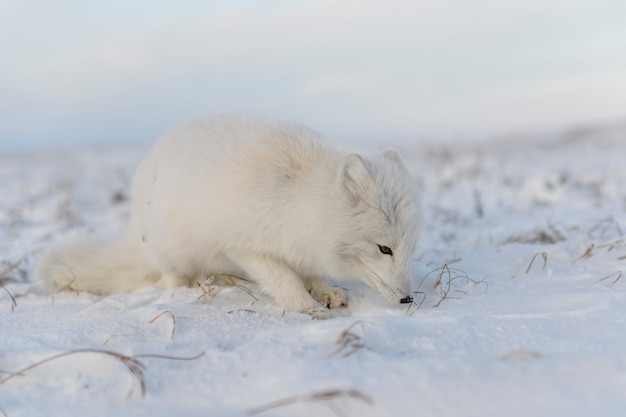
(80, 72)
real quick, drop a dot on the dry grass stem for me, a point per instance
(229, 279)
(168, 357)
(453, 261)
(10, 268)
(603, 226)
(413, 306)
(210, 291)
(6, 276)
(478, 204)
(612, 277)
(108, 339)
(544, 255)
(223, 281)
(438, 283)
(520, 355)
(4, 413)
(325, 398)
(588, 253)
(612, 245)
(549, 237)
(69, 287)
(13, 302)
(169, 312)
(247, 291)
(245, 310)
(133, 365)
(349, 341)
(445, 277)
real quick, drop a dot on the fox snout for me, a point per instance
(406, 300)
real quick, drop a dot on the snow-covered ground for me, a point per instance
(520, 304)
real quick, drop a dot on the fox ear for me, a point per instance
(354, 178)
(391, 154)
(394, 157)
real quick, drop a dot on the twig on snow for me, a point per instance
(349, 341)
(169, 312)
(588, 253)
(616, 276)
(135, 367)
(13, 302)
(325, 398)
(544, 255)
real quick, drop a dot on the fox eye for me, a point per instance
(385, 250)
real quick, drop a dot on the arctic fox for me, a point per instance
(262, 199)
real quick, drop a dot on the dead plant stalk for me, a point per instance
(135, 367)
(616, 276)
(349, 341)
(13, 302)
(173, 317)
(325, 398)
(544, 255)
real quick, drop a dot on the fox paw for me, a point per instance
(334, 298)
(330, 297)
(318, 313)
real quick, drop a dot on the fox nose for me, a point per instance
(406, 300)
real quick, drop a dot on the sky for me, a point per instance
(118, 71)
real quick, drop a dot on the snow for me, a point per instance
(520, 304)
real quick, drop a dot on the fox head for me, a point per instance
(379, 223)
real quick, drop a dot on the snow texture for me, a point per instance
(520, 304)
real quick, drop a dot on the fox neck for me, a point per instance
(320, 222)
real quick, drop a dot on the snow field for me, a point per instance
(519, 310)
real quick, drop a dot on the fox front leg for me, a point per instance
(279, 281)
(322, 291)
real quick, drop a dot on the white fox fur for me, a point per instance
(261, 199)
